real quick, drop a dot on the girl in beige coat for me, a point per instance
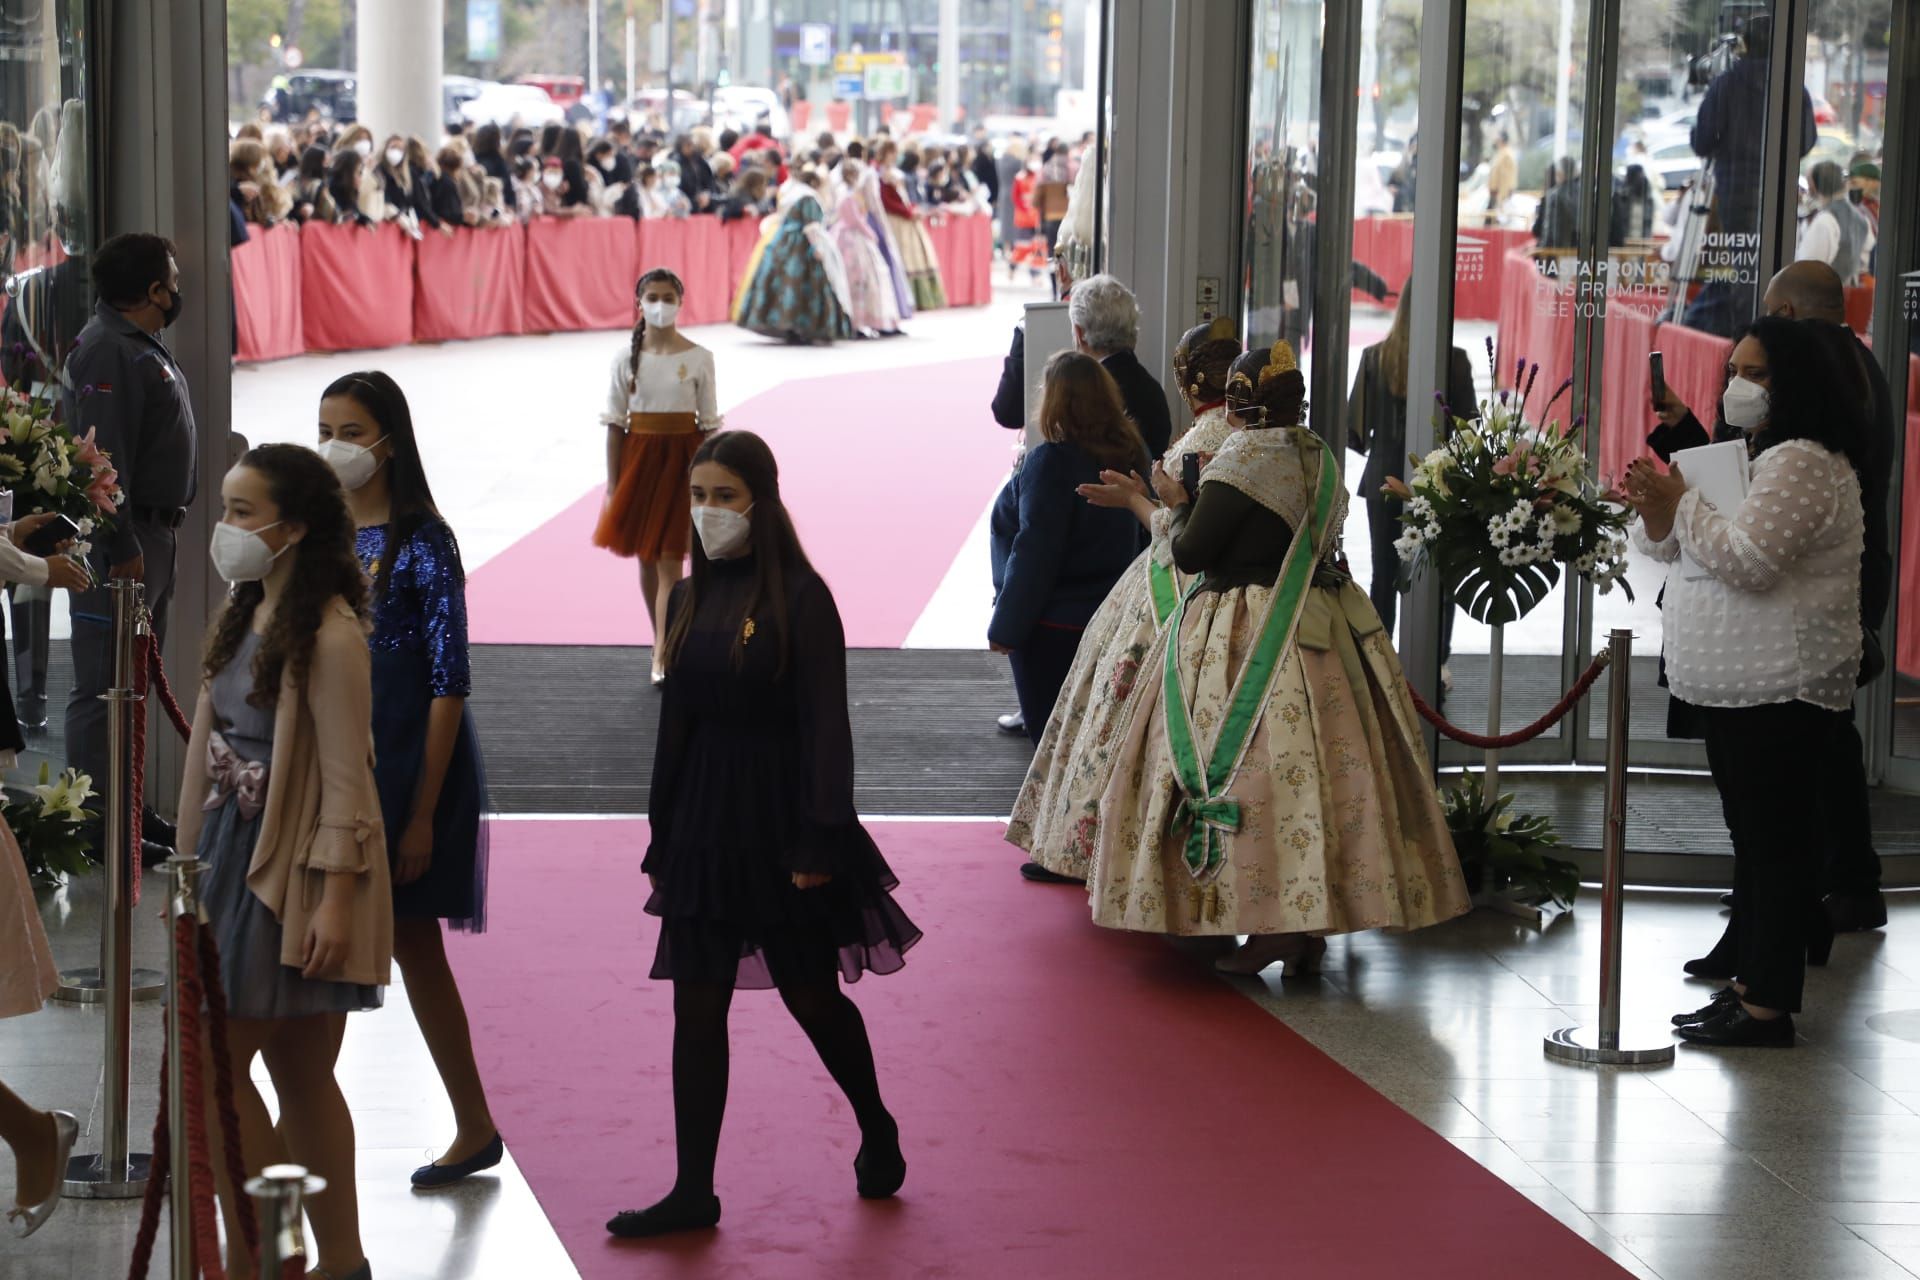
(279, 800)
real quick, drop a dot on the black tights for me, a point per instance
(832, 1022)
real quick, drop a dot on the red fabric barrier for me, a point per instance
(1385, 246)
(49, 252)
(742, 236)
(472, 284)
(965, 247)
(356, 287)
(1626, 394)
(1860, 308)
(695, 249)
(580, 274)
(1696, 366)
(266, 294)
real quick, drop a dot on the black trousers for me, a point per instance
(1760, 759)
(1840, 777)
(1040, 667)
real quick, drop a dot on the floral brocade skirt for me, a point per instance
(1056, 818)
(1340, 825)
(920, 261)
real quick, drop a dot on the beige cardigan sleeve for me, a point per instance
(194, 782)
(339, 693)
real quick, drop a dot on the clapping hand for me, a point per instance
(1116, 489)
(1172, 492)
(1650, 490)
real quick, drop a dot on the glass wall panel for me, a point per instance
(45, 203)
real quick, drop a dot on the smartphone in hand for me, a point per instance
(1657, 366)
(45, 540)
(1190, 475)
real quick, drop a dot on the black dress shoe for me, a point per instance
(880, 1168)
(675, 1213)
(1856, 912)
(1015, 723)
(157, 829)
(1712, 965)
(154, 854)
(1723, 999)
(1738, 1029)
(1726, 900)
(429, 1176)
(1040, 875)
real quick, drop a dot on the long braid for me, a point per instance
(639, 336)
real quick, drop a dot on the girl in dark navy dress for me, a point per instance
(762, 874)
(433, 786)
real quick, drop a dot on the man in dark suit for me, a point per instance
(1811, 292)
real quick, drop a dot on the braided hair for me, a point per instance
(1203, 359)
(659, 275)
(1265, 388)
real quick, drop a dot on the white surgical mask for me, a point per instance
(242, 555)
(605, 163)
(353, 463)
(723, 531)
(660, 315)
(364, 148)
(1745, 404)
(552, 180)
(395, 155)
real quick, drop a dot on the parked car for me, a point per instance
(744, 107)
(456, 92)
(501, 104)
(291, 96)
(563, 91)
(688, 111)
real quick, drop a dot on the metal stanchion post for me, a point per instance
(184, 901)
(116, 1173)
(1601, 1046)
(280, 1190)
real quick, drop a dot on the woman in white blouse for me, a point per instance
(1762, 633)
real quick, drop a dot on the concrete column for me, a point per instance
(949, 55)
(401, 60)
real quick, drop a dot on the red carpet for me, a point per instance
(885, 472)
(1074, 1103)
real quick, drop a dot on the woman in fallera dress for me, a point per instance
(433, 781)
(762, 875)
(660, 406)
(1057, 814)
(1272, 780)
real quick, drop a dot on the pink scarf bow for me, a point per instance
(245, 780)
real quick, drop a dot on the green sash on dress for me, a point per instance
(1204, 805)
(1166, 594)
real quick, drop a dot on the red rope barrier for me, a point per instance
(158, 670)
(1481, 742)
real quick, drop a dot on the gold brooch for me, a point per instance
(746, 632)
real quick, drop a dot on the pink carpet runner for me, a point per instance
(1074, 1103)
(885, 472)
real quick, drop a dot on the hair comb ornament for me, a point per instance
(1279, 360)
(1222, 327)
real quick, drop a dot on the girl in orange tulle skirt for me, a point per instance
(660, 406)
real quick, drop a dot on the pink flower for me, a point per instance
(104, 489)
(1505, 466)
(86, 452)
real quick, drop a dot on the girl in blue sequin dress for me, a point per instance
(433, 786)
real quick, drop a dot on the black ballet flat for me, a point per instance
(1040, 875)
(1738, 1029)
(880, 1168)
(697, 1213)
(429, 1176)
(1723, 999)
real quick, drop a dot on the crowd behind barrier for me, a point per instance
(321, 287)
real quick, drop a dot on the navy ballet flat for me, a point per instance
(428, 1176)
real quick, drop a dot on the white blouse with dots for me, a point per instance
(1778, 620)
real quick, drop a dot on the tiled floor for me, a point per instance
(1802, 1164)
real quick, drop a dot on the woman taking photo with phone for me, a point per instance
(279, 801)
(433, 782)
(1055, 555)
(762, 874)
(660, 406)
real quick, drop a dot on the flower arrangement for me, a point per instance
(48, 822)
(50, 469)
(1501, 850)
(1503, 503)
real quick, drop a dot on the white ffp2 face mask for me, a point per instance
(723, 532)
(660, 315)
(353, 463)
(242, 555)
(1744, 404)
(395, 155)
(363, 148)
